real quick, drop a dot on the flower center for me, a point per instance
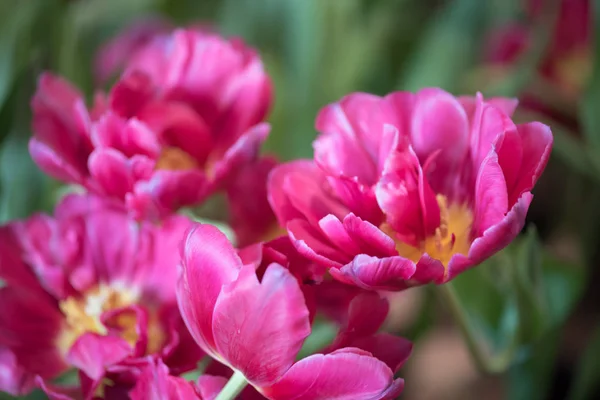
(175, 159)
(450, 238)
(83, 315)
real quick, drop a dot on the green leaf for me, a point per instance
(530, 378)
(587, 378)
(448, 47)
(509, 303)
(23, 185)
(16, 20)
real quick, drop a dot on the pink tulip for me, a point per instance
(89, 289)
(257, 327)
(183, 119)
(410, 188)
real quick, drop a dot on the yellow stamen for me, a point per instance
(175, 159)
(450, 238)
(83, 315)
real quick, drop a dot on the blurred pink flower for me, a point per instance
(567, 63)
(183, 119)
(89, 289)
(257, 327)
(410, 188)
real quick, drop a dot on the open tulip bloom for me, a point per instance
(184, 117)
(410, 188)
(403, 190)
(89, 289)
(257, 327)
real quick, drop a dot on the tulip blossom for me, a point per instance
(410, 188)
(183, 119)
(89, 289)
(257, 327)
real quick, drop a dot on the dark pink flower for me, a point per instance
(257, 327)
(410, 188)
(183, 119)
(89, 289)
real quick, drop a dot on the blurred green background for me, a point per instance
(533, 308)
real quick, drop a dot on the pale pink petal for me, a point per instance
(209, 263)
(259, 328)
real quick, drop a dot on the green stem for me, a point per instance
(234, 386)
(483, 360)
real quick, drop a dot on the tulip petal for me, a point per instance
(259, 328)
(373, 273)
(439, 124)
(14, 379)
(93, 353)
(498, 236)
(347, 374)
(155, 383)
(111, 170)
(491, 198)
(54, 164)
(209, 263)
(537, 144)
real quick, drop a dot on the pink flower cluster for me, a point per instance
(128, 293)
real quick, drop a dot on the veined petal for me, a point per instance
(259, 327)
